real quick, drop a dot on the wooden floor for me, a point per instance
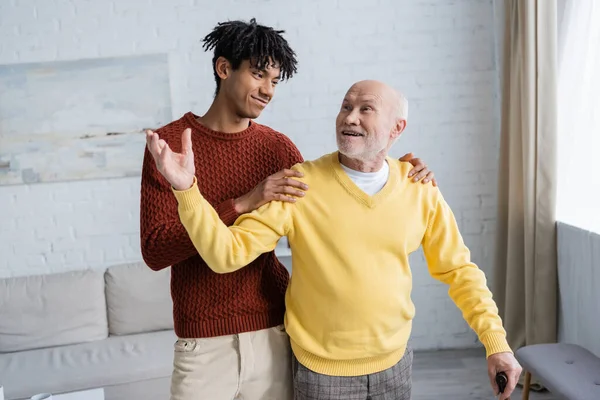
(456, 375)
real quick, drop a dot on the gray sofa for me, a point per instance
(79, 330)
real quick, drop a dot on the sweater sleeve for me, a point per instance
(163, 239)
(227, 249)
(449, 261)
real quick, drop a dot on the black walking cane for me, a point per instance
(501, 381)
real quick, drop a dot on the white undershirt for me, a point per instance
(369, 182)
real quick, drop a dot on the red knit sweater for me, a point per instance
(228, 165)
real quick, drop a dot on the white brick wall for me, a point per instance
(578, 281)
(441, 53)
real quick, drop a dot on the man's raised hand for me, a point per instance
(177, 168)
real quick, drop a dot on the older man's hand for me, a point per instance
(177, 168)
(507, 363)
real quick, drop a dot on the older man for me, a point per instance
(348, 306)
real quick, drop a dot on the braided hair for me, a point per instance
(238, 41)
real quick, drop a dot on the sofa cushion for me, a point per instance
(113, 361)
(138, 299)
(52, 310)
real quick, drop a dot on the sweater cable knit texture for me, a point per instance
(228, 165)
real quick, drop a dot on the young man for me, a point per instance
(232, 341)
(349, 310)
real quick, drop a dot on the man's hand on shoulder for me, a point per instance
(420, 170)
(280, 186)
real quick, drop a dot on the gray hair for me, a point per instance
(402, 107)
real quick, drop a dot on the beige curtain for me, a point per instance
(525, 284)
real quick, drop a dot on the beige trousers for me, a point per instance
(249, 366)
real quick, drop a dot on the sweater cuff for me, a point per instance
(190, 198)
(495, 342)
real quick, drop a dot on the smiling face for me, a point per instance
(247, 88)
(369, 120)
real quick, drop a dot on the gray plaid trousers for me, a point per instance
(394, 383)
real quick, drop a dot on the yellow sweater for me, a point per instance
(349, 310)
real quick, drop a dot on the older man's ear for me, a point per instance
(399, 128)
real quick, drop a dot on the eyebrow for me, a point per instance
(368, 103)
(264, 70)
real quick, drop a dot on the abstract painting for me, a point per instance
(82, 119)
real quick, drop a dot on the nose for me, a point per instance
(267, 90)
(352, 118)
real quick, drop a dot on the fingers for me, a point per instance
(280, 180)
(407, 157)
(292, 191)
(152, 143)
(420, 175)
(417, 163)
(284, 188)
(293, 183)
(422, 172)
(156, 144)
(429, 178)
(287, 173)
(283, 197)
(186, 141)
(506, 394)
(418, 166)
(513, 378)
(148, 137)
(165, 151)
